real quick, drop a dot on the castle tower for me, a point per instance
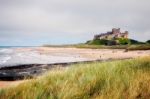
(116, 31)
(126, 33)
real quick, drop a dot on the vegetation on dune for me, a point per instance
(148, 41)
(139, 47)
(117, 41)
(124, 41)
(132, 41)
(127, 47)
(126, 79)
(102, 42)
(97, 42)
(100, 46)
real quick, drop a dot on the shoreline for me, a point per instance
(41, 59)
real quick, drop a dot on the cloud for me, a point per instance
(70, 21)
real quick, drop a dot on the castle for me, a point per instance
(115, 33)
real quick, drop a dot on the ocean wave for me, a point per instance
(6, 51)
(19, 56)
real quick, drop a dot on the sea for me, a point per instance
(7, 53)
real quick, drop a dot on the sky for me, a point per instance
(38, 22)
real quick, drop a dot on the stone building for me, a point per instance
(115, 33)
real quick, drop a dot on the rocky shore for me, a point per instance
(28, 71)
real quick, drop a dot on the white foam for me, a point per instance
(4, 59)
(18, 57)
(6, 51)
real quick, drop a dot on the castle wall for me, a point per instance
(112, 35)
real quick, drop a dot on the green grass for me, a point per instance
(125, 79)
(100, 46)
(121, 41)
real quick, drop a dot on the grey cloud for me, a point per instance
(73, 18)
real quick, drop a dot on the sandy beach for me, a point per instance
(77, 54)
(95, 54)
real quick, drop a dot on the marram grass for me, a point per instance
(125, 79)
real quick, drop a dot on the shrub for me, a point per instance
(148, 41)
(112, 42)
(132, 41)
(98, 42)
(123, 41)
(117, 41)
(87, 42)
